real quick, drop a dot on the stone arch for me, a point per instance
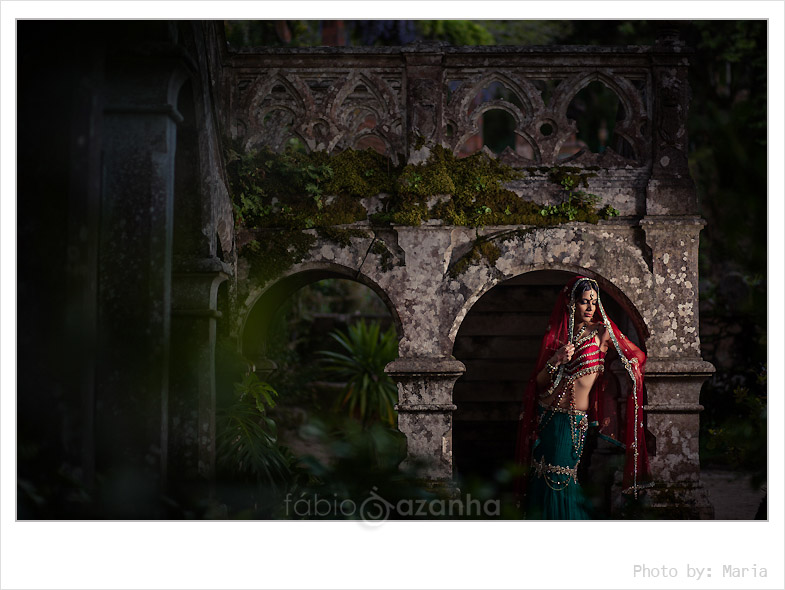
(629, 128)
(258, 102)
(604, 270)
(262, 302)
(498, 343)
(466, 124)
(262, 87)
(384, 107)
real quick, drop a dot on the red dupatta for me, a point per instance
(637, 474)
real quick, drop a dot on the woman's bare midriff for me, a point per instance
(581, 388)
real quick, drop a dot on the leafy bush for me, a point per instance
(369, 391)
(247, 441)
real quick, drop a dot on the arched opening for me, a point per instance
(327, 422)
(498, 342)
(266, 309)
(304, 325)
(596, 110)
(497, 127)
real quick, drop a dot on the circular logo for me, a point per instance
(375, 510)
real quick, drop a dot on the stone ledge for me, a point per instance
(425, 407)
(673, 408)
(425, 366)
(664, 367)
(187, 265)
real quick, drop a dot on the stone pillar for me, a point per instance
(135, 269)
(671, 190)
(424, 89)
(191, 409)
(425, 413)
(675, 371)
(673, 390)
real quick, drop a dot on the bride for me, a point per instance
(566, 395)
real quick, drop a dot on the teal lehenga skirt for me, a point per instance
(554, 492)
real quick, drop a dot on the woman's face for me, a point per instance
(585, 306)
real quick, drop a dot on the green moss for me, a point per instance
(482, 249)
(342, 237)
(275, 252)
(427, 179)
(290, 190)
(296, 190)
(569, 177)
(385, 256)
(361, 174)
(485, 248)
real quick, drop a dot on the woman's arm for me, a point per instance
(561, 356)
(605, 339)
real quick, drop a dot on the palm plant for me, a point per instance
(247, 439)
(369, 391)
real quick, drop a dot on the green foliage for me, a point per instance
(734, 433)
(342, 237)
(364, 173)
(272, 33)
(529, 32)
(577, 204)
(246, 441)
(456, 32)
(276, 252)
(290, 190)
(369, 391)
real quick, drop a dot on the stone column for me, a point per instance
(673, 389)
(425, 413)
(191, 408)
(675, 371)
(135, 269)
(424, 89)
(671, 190)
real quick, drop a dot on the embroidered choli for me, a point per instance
(587, 358)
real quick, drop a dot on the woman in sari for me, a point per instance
(566, 394)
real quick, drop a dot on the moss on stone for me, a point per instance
(571, 176)
(485, 248)
(361, 174)
(299, 190)
(482, 249)
(341, 236)
(385, 256)
(276, 251)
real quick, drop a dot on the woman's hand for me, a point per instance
(563, 355)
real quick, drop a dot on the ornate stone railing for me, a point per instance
(404, 100)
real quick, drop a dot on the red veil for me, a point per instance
(637, 474)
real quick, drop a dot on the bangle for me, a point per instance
(551, 368)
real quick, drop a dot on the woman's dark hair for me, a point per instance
(584, 285)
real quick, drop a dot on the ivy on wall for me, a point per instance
(297, 190)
